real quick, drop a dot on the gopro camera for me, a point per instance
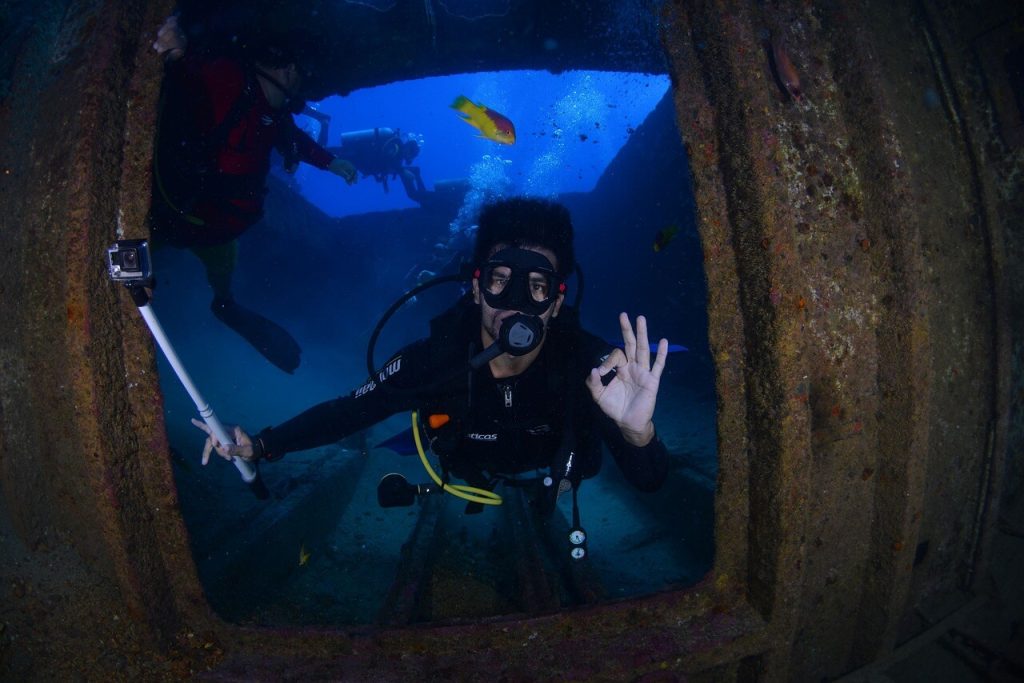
(128, 262)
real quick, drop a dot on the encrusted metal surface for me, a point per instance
(861, 245)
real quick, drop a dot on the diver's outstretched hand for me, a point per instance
(345, 169)
(629, 395)
(242, 448)
(170, 40)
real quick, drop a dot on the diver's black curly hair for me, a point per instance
(526, 222)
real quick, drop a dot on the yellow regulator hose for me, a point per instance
(465, 492)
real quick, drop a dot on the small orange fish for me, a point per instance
(491, 124)
(784, 69)
(303, 555)
(664, 236)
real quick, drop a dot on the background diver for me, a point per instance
(382, 153)
(503, 415)
(220, 117)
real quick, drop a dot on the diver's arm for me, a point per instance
(313, 154)
(413, 183)
(333, 420)
(322, 424)
(310, 152)
(645, 467)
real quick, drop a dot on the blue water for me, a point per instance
(568, 127)
(327, 280)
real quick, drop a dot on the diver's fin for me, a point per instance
(266, 336)
(672, 348)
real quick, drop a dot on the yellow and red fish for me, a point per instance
(784, 69)
(490, 123)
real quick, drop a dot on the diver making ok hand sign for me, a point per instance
(502, 381)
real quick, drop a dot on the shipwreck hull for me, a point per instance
(864, 298)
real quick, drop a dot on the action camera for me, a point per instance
(128, 262)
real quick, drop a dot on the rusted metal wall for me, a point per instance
(867, 235)
(84, 458)
(858, 256)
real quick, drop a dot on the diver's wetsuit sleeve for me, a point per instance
(645, 467)
(310, 152)
(332, 420)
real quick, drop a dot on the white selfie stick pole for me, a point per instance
(129, 264)
(205, 411)
(250, 475)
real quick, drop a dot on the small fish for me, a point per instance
(303, 555)
(491, 124)
(784, 69)
(664, 236)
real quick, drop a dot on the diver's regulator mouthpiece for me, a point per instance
(520, 334)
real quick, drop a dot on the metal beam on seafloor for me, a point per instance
(407, 590)
(536, 592)
(310, 511)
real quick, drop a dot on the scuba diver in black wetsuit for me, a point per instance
(510, 382)
(382, 153)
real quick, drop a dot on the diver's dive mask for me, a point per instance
(519, 280)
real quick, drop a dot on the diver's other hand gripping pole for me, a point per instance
(250, 473)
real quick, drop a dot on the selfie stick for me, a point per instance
(250, 474)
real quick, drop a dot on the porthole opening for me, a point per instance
(324, 263)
